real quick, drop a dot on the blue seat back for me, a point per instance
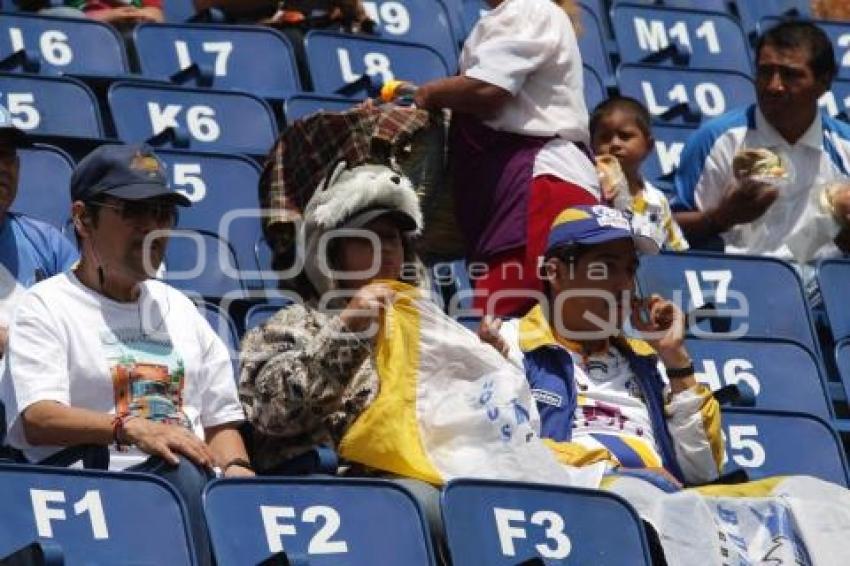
(51, 105)
(759, 297)
(837, 100)
(842, 362)
(833, 277)
(425, 22)
(236, 57)
(491, 523)
(714, 41)
(707, 93)
(200, 263)
(591, 43)
(660, 165)
(95, 517)
(594, 89)
(598, 9)
(784, 376)
(302, 105)
(472, 10)
(178, 11)
(210, 120)
(751, 13)
(337, 60)
(320, 521)
(43, 185)
(64, 45)
(771, 443)
(223, 191)
(719, 6)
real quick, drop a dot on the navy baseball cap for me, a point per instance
(129, 172)
(595, 224)
(8, 131)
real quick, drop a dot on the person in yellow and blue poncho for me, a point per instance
(635, 405)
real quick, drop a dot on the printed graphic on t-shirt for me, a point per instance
(147, 376)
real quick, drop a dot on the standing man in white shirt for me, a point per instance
(103, 355)
(795, 65)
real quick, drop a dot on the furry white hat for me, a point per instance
(343, 199)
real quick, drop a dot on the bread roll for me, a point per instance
(758, 162)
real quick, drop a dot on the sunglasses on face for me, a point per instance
(134, 210)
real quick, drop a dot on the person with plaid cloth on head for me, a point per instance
(409, 140)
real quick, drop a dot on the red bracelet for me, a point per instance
(118, 431)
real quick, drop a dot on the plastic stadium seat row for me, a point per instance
(81, 517)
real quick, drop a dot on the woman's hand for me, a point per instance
(364, 310)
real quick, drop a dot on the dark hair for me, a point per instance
(624, 104)
(568, 253)
(795, 34)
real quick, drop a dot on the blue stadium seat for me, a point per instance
(771, 443)
(337, 60)
(592, 44)
(693, 38)
(597, 8)
(755, 297)
(454, 10)
(93, 517)
(229, 57)
(594, 89)
(719, 6)
(704, 94)
(660, 165)
(202, 264)
(425, 22)
(223, 191)
(208, 120)
(833, 277)
(43, 186)
(752, 12)
(51, 106)
(63, 45)
(178, 11)
(837, 100)
(472, 11)
(492, 523)
(302, 105)
(315, 520)
(784, 376)
(842, 362)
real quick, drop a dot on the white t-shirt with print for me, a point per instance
(156, 357)
(610, 402)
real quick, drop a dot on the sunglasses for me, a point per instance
(162, 212)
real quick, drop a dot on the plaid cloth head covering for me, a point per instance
(307, 151)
